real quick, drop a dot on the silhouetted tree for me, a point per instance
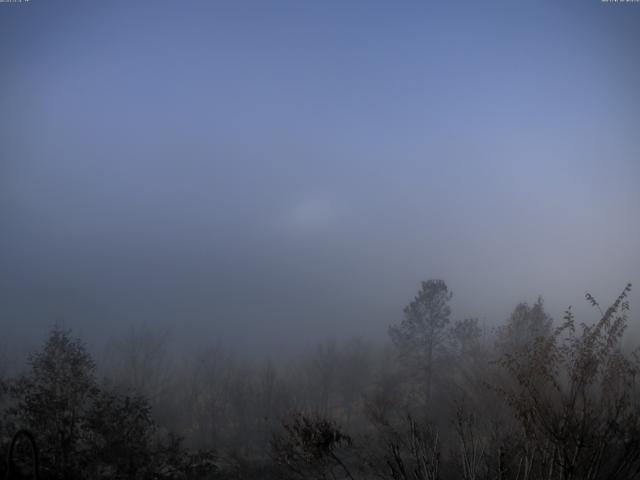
(576, 400)
(323, 376)
(353, 375)
(423, 329)
(140, 362)
(525, 325)
(312, 447)
(121, 434)
(84, 431)
(53, 399)
(466, 335)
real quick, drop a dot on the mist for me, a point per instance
(267, 177)
(271, 174)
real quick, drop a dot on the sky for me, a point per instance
(270, 174)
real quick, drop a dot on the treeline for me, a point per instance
(531, 399)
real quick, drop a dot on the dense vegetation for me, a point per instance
(445, 399)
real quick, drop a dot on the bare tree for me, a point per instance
(354, 375)
(411, 452)
(140, 363)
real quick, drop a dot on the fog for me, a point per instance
(273, 174)
(322, 240)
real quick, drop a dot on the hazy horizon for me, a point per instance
(272, 175)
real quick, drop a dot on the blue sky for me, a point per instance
(294, 169)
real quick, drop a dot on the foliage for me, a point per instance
(84, 431)
(311, 447)
(120, 431)
(465, 335)
(562, 404)
(423, 329)
(526, 325)
(54, 399)
(575, 399)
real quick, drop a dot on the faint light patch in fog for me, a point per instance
(310, 214)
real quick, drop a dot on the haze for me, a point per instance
(272, 174)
